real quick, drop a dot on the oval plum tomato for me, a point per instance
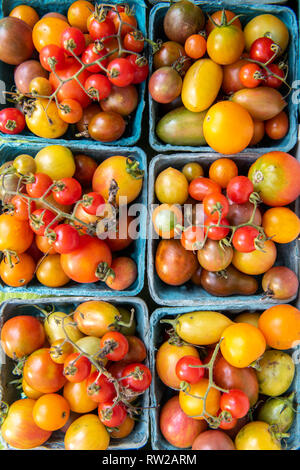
(195, 46)
(85, 264)
(39, 186)
(134, 41)
(21, 207)
(192, 237)
(98, 87)
(264, 50)
(141, 68)
(99, 388)
(239, 189)
(215, 205)
(245, 239)
(201, 187)
(120, 72)
(280, 326)
(222, 170)
(100, 29)
(20, 272)
(71, 89)
(15, 234)
(67, 191)
(67, 238)
(242, 344)
(214, 232)
(51, 412)
(73, 41)
(70, 111)
(52, 57)
(115, 344)
(277, 127)
(19, 429)
(93, 203)
(236, 402)
(21, 335)
(189, 374)
(93, 52)
(112, 415)
(251, 75)
(137, 377)
(276, 177)
(273, 81)
(42, 219)
(42, 374)
(76, 368)
(12, 121)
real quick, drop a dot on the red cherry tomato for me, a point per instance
(52, 57)
(141, 68)
(72, 39)
(41, 219)
(101, 29)
(134, 41)
(216, 233)
(201, 187)
(12, 121)
(137, 377)
(236, 402)
(99, 388)
(244, 239)
(117, 345)
(93, 203)
(39, 186)
(76, 368)
(21, 207)
(228, 421)
(189, 374)
(271, 80)
(70, 111)
(191, 237)
(264, 50)
(120, 72)
(239, 189)
(98, 86)
(67, 191)
(67, 239)
(251, 75)
(215, 204)
(93, 52)
(112, 415)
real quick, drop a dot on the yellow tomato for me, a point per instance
(193, 406)
(56, 161)
(25, 13)
(171, 187)
(225, 44)
(247, 317)
(50, 273)
(228, 127)
(201, 85)
(282, 224)
(48, 31)
(46, 124)
(266, 24)
(256, 436)
(87, 433)
(79, 13)
(54, 330)
(256, 262)
(242, 344)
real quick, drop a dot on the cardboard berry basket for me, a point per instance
(190, 294)
(248, 11)
(9, 394)
(133, 128)
(159, 393)
(136, 251)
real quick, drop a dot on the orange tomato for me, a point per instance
(77, 397)
(282, 224)
(70, 111)
(165, 217)
(87, 433)
(48, 31)
(50, 273)
(280, 326)
(193, 407)
(29, 391)
(228, 127)
(79, 13)
(44, 246)
(222, 171)
(256, 262)
(195, 46)
(217, 18)
(15, 235)
(42, 374)
(19, 429)
(51, 412)
(242, 344)
(277, 127)
(25, 13)
(20, 273)
(124, 429)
